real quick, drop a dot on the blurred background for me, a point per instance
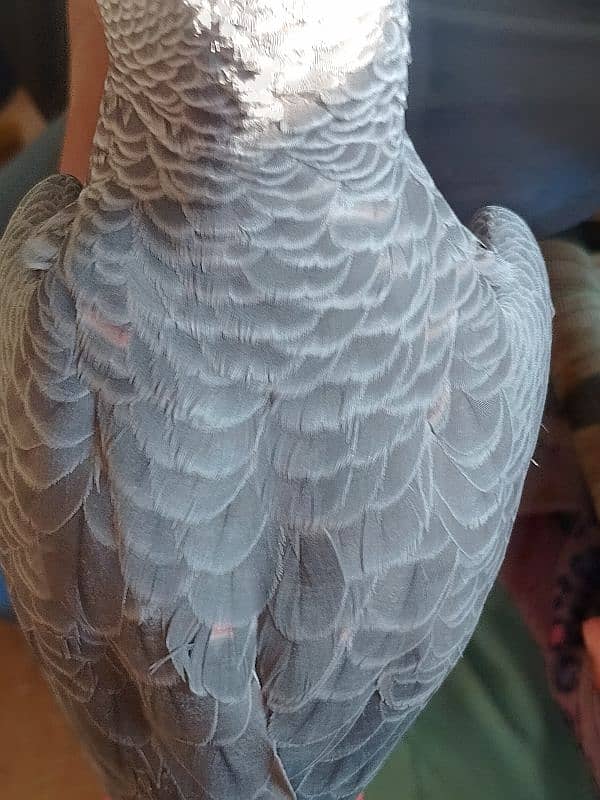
(504, 109)
(33, 69)
(33, 40)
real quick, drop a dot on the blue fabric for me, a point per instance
(4, 599)
(21, 174)
(504, 107)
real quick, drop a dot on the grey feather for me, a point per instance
(266, 407)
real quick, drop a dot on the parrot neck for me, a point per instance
(241, 104)
(230, 228)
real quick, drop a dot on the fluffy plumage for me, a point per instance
(266, 411)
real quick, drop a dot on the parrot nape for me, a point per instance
(266, 406)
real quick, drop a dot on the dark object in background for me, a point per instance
(7, 79)
(588, 234)
(10, 140)
(33, 38)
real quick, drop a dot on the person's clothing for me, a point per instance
(504, 106)
(492, 731)
(4, 600)
(28, 168)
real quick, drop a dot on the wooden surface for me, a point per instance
(39, 756)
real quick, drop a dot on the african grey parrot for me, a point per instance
(266, 407)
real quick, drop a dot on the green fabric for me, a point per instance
(493, 731)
